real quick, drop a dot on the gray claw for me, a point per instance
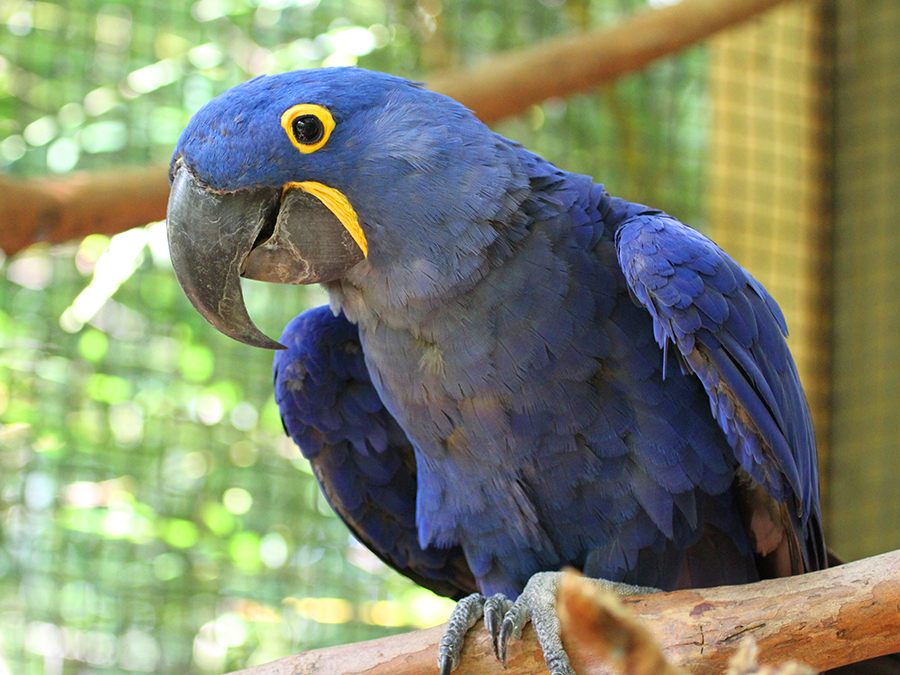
(466, 613)
(537, 604)
(495, 609)
(512, 627)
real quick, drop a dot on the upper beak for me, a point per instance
(268, 234)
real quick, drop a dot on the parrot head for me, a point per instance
(326, 174)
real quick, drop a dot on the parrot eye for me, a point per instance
(308, 129)
(307, 126)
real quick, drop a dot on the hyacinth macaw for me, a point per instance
(517, 371)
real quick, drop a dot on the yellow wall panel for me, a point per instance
(769, 193)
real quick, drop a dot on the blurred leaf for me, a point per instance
(93, 345)
(197, 363)
(237, 500)
(244, 550)
(181, 533)
(108, 388)
(217, 518)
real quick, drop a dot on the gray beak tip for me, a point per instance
(210, 236)
(268, 234)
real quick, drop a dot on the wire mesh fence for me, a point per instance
(866, 426)
(154, 514)
(154, 517)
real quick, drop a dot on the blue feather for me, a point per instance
(498, 392)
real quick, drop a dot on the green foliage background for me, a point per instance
(153, 518)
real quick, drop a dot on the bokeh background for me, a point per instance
(154, 519)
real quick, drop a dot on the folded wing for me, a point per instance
(359, 454)
(729, 332)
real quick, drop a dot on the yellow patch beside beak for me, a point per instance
(338, 204)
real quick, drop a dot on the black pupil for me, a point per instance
(308, 129)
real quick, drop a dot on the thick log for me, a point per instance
(58, 209)
(826, 619)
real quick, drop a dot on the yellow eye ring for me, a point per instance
(308, 126)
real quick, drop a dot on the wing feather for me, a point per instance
(731, 334)
(359, 454)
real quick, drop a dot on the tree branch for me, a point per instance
(58, 209)
(826, 619)
(508, 84)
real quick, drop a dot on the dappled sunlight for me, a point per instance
(112, 269)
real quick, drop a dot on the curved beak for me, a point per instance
(268, 234)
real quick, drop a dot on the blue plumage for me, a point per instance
(359, 454)
(524, 372)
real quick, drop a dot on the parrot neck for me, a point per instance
(423, 261)
(433, 240)
(425, 325)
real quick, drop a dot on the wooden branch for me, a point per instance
(826, 619)
(62, 208)
(68, 207)
(510, 83)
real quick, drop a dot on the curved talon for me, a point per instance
(465, 614)
(491, 622)
(510, 628)
(537, 604)
(504, 640)
(495, 609)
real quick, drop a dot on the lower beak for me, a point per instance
(215, 238)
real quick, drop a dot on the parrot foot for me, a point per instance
(537, 604)
(464, 616)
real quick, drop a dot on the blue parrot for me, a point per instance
(516, 371)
